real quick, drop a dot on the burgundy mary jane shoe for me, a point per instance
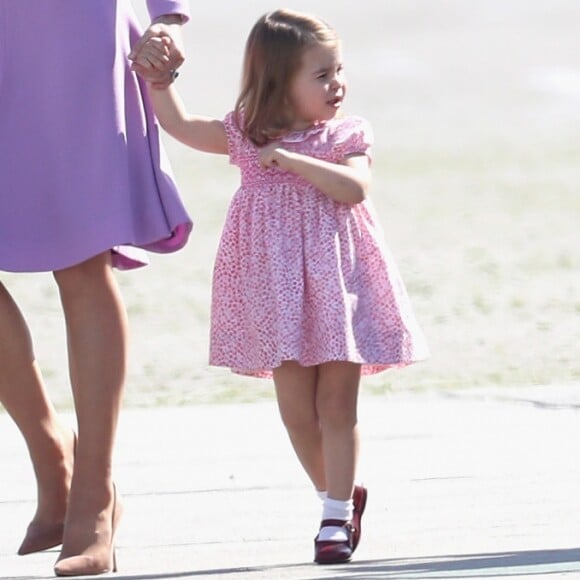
(328, 552)
(359, 500)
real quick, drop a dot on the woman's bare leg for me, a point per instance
(49, 443)
(97, 342)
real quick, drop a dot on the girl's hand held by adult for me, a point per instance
(152, 54)
(160, 51)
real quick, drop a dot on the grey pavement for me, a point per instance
(471, 484)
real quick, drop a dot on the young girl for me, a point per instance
(304, 289)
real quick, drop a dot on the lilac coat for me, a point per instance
(82, 170)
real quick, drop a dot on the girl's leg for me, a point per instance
(50, 444)
(336, 403)
(296, 395)
(96, 334)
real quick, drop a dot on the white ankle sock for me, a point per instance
(321, 494)
(335, 509)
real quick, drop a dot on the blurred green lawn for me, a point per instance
(476, 111)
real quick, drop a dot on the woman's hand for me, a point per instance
(159, 52)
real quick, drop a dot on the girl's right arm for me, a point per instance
(201, 133)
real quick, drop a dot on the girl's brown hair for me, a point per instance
(273, 55)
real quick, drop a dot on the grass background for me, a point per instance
(476, 112)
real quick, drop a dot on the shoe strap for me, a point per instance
(336, 523)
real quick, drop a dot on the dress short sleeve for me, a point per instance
(354, 136)
(236, 140)
(159, 7)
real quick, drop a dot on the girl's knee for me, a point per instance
(337, 394)
(337, 411)
(297, 420)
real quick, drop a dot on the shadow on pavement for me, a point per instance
(449, 566)
(523, 563)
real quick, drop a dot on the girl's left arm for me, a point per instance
(346, 182)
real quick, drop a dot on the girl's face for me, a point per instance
(318, 88)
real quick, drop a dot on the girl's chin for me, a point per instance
(334, 112)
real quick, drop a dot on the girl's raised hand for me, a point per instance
(273, 155)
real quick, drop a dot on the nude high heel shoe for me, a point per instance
(91, 564)
(39, 536)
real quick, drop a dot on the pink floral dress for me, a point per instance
(299, 276)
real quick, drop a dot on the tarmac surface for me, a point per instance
(472, 484)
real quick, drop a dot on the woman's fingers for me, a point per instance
(153, 53)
